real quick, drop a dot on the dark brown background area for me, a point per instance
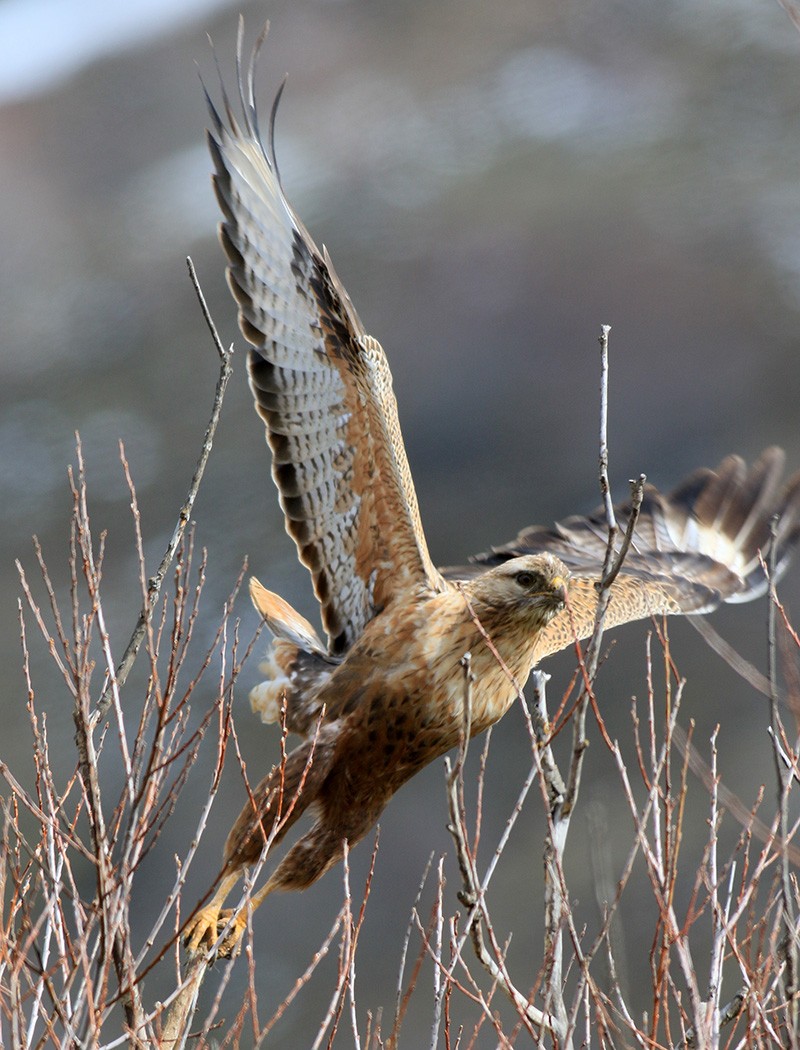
(494, 182)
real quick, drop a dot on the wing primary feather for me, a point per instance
(693, 549)
(273, 116)
(321, 386)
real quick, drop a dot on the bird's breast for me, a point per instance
(413, 682)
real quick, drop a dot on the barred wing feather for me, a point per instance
(693, 549)
(323, 388)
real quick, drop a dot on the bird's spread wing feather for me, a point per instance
(322, 387)
(693, 549)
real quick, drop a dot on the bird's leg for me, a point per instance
(208, 922)
(311, 856)
(277, 802)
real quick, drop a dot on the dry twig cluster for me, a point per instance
(78, 848)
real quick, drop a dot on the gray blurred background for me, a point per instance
(494, 182)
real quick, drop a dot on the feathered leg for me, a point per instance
(322, 845)
(277, 803)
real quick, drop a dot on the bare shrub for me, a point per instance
(80, 850)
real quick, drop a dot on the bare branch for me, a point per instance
(118, 678)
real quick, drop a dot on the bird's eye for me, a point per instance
(526, 579)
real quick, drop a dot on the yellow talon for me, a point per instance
(206, 929)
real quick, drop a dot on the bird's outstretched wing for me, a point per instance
(322, 387)
(692, 550)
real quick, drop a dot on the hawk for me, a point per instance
(383, 695)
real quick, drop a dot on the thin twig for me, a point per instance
(785, 779)
(473, 891)
(117, 680)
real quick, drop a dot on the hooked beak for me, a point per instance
(559, 588)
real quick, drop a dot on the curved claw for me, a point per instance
(205, 929)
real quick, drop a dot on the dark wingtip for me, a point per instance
(273, 157)
(732, 501)
(245, 81)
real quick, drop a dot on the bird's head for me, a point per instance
(533, 587)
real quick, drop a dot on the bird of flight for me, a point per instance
(384, 695)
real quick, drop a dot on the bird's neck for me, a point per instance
(508, 637)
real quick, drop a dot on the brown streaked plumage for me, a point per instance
(384, 696)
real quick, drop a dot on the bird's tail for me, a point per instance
(295, 667)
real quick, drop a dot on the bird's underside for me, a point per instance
(384, 695)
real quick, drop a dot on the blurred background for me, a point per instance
(494, 182)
